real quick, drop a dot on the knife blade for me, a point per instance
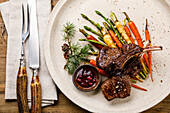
(34, 59)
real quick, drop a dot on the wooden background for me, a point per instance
(63, 105)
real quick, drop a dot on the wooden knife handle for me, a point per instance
(22, 89)
(35, 94)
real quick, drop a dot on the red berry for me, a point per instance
(94, 80)
(89, 78)
(90, 83)
(78, 80)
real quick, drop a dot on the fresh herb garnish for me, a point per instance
(74, 53)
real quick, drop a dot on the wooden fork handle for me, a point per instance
(35, 94)
(22, 89)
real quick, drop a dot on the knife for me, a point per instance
(34, 59)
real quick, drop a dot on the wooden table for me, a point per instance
(63, 105)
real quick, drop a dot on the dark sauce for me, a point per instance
(86, 78)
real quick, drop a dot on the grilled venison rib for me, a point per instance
(113, 59)
(120, 64)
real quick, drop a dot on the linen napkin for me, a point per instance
(49, 92)
(4, 8)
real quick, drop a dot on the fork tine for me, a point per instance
(28, 19)
(23, 19)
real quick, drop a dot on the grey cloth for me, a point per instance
(13, 14)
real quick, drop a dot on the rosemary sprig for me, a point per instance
(74, 53)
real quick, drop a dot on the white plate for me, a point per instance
(158, 14)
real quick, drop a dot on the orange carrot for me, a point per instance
(129, 34)
(138, 87)
(102, 72)
(90, 37)
(114, 37)
(146, 59)
(93, 62)
(112, 34)
(135, 31)
(147, 36)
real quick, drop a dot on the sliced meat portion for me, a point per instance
(116, 87)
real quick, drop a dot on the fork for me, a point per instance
(22, 78)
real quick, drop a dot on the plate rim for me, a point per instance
(51, 69)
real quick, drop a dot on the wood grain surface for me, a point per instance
(63, 105)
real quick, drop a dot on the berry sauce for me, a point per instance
(85, 77)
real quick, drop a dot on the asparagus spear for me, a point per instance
(93, 41)
(133, 81)
(91, 30)
(95, 32)
(112, 26)
(92, 22)
(143, 76)
(146, 75)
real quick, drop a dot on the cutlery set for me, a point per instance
(30, 31)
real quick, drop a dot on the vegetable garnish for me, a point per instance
(90, 38)
(149, 52)
(138, 87)
(128, 32)
(93, 62)
(113, 35)
(92, 22)
(120, 27)
(95, 32)
(107, 38)
(112, 26)
(74, 53)
(136, 34)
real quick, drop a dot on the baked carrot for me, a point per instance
(146, 59)
(93, 62)
(135, 31)
(90, 37)
(120, 28)
(138, 87)
(128, 33)
(112, 26)
(107, 38)
(102, 72)
(147, 36)
(113, 35)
